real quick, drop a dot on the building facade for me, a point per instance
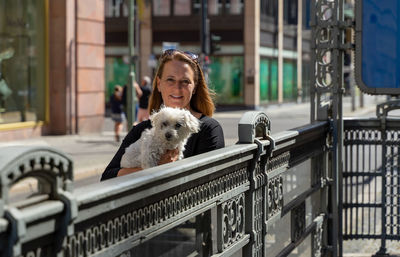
(245, 71)
(51, 67)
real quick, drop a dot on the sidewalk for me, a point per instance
(91, 153)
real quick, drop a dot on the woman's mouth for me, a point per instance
(176, 97)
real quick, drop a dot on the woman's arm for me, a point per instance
(113, 168)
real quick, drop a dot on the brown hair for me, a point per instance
(201, 100)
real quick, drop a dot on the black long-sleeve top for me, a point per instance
(210, 137)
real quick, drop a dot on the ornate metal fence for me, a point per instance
(262, 197)
(371, 179)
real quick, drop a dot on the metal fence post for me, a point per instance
(328, 46)
(253, 128)
(54, 174)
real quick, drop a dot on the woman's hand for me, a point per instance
(126, 171)
(169, 156)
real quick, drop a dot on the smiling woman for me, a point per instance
(179, 83)
(176, 85)
(22, 61)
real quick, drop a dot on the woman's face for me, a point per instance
(176, 84)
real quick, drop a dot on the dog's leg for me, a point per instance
(149, 155)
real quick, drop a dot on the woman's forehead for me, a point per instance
(176, 67)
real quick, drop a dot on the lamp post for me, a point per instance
(131, 93)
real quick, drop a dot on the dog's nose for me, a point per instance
(168, 135)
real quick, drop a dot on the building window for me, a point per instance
(214, 7)
(269, 8)
(290, 11)
(226, 79)
(234, 6)
(22, 61)
(196, 6)
(161, 7)
(117, 73)
(182, 7)
(116, 8)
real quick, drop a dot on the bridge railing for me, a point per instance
(266, 195)
(371, 199)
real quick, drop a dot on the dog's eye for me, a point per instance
(164, 124)
(178, 125)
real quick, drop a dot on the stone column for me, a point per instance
(90, 63)
(62, 67)
(251, 53)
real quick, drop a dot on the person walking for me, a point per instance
(143, 112)
(125, 101)
(117, 112)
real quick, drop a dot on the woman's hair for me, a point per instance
(201, 100)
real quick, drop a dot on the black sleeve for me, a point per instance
(210, 137)
(114, 166)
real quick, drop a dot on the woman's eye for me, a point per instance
(185, 82)
(177, 126)
(170, 80)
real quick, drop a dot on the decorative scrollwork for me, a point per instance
(231, 214)
(136, 223)
(38, 252)
(317, 236)
(281, 160)
(274, 196)
(325, 38)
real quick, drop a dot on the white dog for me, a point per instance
(171, 129)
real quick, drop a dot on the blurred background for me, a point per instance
(60, 60)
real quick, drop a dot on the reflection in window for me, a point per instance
(182, 7)
(22, 61)
(161, 7)
(234, 6)
(214, 7)
(269, 8)
(290, 11)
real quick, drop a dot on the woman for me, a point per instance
(179, 82)
(117, 113)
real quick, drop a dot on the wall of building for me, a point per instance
(90, 64)
(76, 55)
(74, 71)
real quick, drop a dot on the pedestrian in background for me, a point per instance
(125, 101)
(145, 86)
(117, 111)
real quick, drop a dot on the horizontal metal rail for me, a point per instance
(236, 193)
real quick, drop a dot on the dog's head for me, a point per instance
(174, 125)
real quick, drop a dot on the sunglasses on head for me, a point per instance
(194, 57)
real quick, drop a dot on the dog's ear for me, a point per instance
(154, 118)
(192, 122)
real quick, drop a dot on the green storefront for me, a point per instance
(269, 80)
(226, 78)
(23, 62)
(117, 73)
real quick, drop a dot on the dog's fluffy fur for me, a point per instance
(171, 129)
